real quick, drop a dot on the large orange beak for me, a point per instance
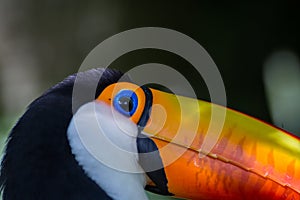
(208, 155)
(212, 152)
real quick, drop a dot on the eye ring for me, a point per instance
(126, 102)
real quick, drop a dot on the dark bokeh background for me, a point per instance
(41, 42)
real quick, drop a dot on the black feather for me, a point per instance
(38, 163)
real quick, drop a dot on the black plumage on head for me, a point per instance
(38, 163)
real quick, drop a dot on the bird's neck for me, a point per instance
(107, 154)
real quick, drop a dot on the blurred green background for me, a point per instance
(41, 42)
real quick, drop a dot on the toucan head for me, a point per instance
(126, 138)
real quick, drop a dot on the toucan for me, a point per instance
(125, 139)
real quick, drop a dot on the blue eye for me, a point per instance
(126, 102)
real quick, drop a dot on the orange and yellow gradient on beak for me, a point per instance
(207, 156)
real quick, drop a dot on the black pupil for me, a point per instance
(126, 103)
